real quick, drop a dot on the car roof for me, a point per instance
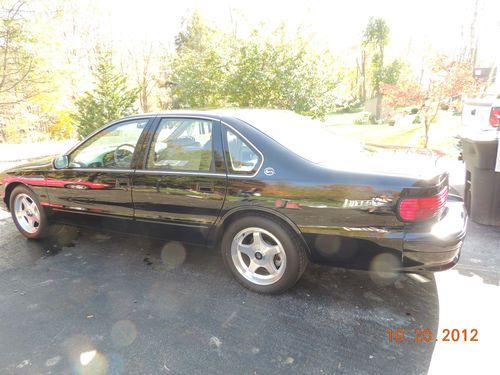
(244, 114)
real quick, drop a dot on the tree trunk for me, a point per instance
(430, 115)
(427, 123)
(378, 108)
(143, 97)
(362, 93)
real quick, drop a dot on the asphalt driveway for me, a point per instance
(97, 303)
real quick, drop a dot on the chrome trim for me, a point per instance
(231, 175)
(189, 173)
(253, 146)
(97, 170)
(159, 171)
(187, 116)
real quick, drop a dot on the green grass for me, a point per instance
(441, 136)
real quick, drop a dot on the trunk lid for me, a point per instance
(401, 161)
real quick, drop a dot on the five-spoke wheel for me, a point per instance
(27, 213)
(258, 256)
(263, 254)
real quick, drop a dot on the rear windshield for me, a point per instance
(302, 135)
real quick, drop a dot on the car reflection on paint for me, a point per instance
(273, 190)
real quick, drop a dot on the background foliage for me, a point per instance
(109, 100)
(60, 78)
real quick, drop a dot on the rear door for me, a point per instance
(180, 186)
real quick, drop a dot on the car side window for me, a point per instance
(182, 144)
(242, 158)
(112, 147)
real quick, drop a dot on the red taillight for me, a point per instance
(418, 209)
(495, 116)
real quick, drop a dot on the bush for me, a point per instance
(416, 120)
(63, 127)
(350, 105)
(366, 119)
(362, 120)
(444, 106)
(414, 111)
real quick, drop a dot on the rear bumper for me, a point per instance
(412, 248)
(436, 248)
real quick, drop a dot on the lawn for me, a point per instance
(441, 137)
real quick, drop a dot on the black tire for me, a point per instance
(296, 257)
(42, 228)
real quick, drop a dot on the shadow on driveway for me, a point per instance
(107, 303)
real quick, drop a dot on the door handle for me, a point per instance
(206, 188)
(122, 183)
(160, 184)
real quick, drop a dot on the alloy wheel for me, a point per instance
(27, 213)
(258, 256)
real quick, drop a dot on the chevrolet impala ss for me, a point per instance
(271, 189)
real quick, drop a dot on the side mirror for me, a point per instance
(61, 162)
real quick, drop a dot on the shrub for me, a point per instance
(366, 119)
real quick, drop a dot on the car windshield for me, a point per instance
(306, 137)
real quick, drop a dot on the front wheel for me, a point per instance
(27, 213)
(264, 255)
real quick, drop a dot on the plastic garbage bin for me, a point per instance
(482, 183)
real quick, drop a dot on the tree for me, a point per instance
(213, 69)
(19, 78)
(405, 93)
(361, 74)
(279, 72)
(448, 79)
(199, 66)
(110, 99)
(376, 35)
(146, 70)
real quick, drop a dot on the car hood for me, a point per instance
(393, 160)
(42, 163)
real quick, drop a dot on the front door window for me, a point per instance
(112, 147)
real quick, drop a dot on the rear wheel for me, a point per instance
(264, 255)
(27, 213)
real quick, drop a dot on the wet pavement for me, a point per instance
(101, 303)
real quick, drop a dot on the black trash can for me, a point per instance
(482, 183)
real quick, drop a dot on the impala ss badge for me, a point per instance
(269, 171)
(374, 202)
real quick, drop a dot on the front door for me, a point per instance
(181, 186)
(97, 180)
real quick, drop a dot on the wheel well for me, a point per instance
(237, 214)
(8, 191)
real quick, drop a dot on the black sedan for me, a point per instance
(272, 189)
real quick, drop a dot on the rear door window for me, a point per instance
(183, 145)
